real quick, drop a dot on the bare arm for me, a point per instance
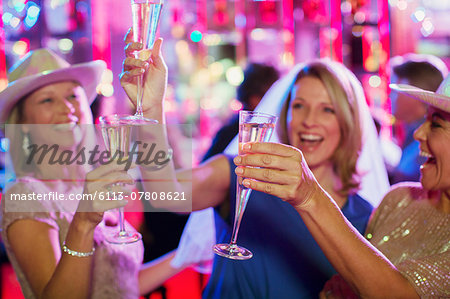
(153, 274)
(50, 273)
(210, 182)
(285, 174)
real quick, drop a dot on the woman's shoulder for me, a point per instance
(406, 192)
(23, 200)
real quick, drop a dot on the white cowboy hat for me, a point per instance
(41, 67)
(439, 99)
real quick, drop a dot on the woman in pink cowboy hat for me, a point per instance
(405, 252)
(59, 250)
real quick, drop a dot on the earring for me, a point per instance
(26, 144)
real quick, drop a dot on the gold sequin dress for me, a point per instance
(415, 237)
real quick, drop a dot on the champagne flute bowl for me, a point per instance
(146, 15)
(253, 127)
(116, 132)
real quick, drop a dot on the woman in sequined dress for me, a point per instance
(406, 252)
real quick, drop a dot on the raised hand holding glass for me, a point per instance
(253, 127)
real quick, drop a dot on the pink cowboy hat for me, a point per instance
(439, 99)
(42, 67)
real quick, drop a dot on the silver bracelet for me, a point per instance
(76, 253)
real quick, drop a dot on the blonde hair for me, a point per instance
(342, 91)
(16, 140)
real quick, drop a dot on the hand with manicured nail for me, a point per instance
(276, 169)
(152, 64)
(101, 183)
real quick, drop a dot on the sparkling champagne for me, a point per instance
(250, 132)
(253, 127)
(254, 132)
(117, 140)
(146, 15)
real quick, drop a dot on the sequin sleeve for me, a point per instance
(380, 213)
(429, 275)
(392, 203)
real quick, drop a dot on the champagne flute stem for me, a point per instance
(242, 197)
(121, 220)
(140, 95)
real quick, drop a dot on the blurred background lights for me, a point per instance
(418, 15)
(29, 22)
(210, 103)
(240, 21)
(393, 2)
(427, 24)
(33, 11)
(107, 76)
(216, 69)
(3, 83)
(402, 4)
(65, 45)
(427, 27)
(287, 59)
(105, 87)
(374, 81)
(359, 17)
(181, 47)
(20, 48)
(6, 18)
(287, 36)
(106, 90)
(212, 39)
(196, 36)
(234, 75)
(235, 105)
(14, 22)
(55, 3)
(258, 34)
(227, 63)
(4, 144)
(201, 78)
(346, 7)
(177, 31)
(357, 31)
(19, 6)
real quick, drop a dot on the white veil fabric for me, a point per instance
(374, 181)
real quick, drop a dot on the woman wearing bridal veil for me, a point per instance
(287, 260)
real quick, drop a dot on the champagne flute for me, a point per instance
(116, 133)
(146, 15)
(253, 127)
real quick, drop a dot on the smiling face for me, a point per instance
(434, 138)
(62, 106)
(312, 124)
(57, 103)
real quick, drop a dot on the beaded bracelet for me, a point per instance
(76, 253)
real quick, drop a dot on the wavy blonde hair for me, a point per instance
(342, 89)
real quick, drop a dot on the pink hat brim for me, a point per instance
(87, 74)
(437, 100)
